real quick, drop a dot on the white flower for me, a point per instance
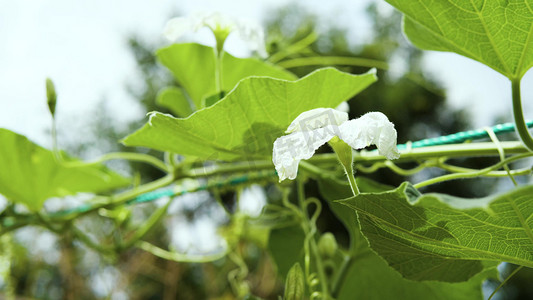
(313, 128)
(344, 106)
(220, 24)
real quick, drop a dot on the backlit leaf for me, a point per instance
(193, 66)
(440, 237)
(30, 174)
(495, 33)
(369, 277)
(246, 122)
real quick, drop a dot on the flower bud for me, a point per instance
(51, 96)
(327, 245)
(294, 284)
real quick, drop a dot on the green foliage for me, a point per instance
(368, 276)
(333, 190)
(175, 100)
(227, 113)
(495, 33)
(31, 174)
(246, 122)
(193, 66)
(445, 238)
(286, 247)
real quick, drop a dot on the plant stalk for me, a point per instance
(520, 123)
(309, 227)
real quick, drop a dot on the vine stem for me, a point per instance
(349, 61)
(147, 225)
(341, 274)
(472, 174)
(345, 155)
(456, 169)
(179, 257)
(496, 141)
(55, 148)
(141, 157)
(450, 151)
(219, 53)
(309, 227)
(361, 157)
(124, 196)
(292, 49)
(505, 281)
(351, 179)
(520, 122)
(312, 167)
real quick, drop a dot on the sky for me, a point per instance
(82, 46)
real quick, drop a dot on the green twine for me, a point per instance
(461, 137)
(455, 138)
(173, 192)
(148, 197)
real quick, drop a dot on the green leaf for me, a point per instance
(369, 277)
(333, 189)
(245, 124)
(30, 174)
(211, 100)
(286, 246)
(440, 237)
(495, 33)
(193, 66)
(175, 100)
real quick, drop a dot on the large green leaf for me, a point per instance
(369, 277)
(30, 174)
(440, 237)
(193, 66)
(247, 121)
(334, 189)
(495, 33)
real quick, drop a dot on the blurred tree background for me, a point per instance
(413, 101)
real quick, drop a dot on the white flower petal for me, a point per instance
(177, 27)
(344, 107)
(217, 20)
(290, 149)
(317, 118)
(200, 19)
(253, 34)
(373, 128)
(313, 128)
(250, 32)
